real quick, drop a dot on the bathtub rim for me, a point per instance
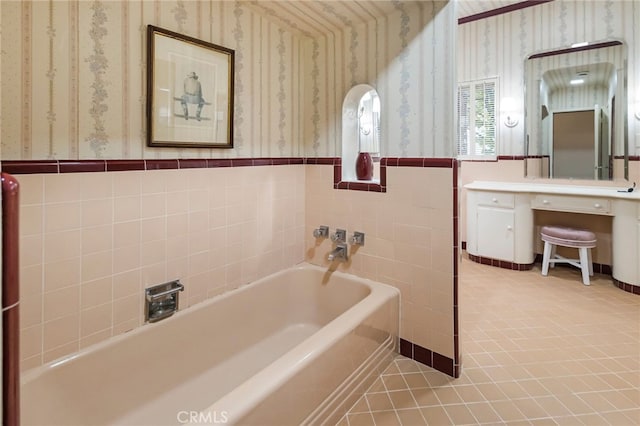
(252, 391)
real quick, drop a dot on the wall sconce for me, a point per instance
(509, 106)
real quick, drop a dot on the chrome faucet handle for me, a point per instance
(357, 239)
(340, 236)
(321, 232)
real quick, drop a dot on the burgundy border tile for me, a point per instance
(161, 164)
(358, 186)
(70, 166)
(501, 10)
(218, 162)
(411, 162)
(30, 167)
(500, 263)
(262, 162)
(439, 162)
(341, 185)
(321, 160)
(423, 355)
(510, 157)
(124, 165)
(634, 158)
(629, 288)
(11, 366)
(241, 162)
(192, 163)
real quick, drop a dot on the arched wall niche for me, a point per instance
(360, 129)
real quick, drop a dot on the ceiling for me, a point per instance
(595, 75)
(317, 17)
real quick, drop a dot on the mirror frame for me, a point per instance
(625, 130)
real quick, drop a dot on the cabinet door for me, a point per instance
(495, 233)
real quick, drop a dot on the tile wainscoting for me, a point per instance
(91, 240)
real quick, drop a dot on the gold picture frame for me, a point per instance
(189, 91)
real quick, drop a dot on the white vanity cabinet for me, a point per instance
(493, 221)
(500, 222)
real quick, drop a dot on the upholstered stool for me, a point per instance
(582, 239)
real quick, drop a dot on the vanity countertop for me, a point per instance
(544, 188)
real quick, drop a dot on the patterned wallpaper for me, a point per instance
(78, 71)
(78, 68)
(497, 46)
(407, 56)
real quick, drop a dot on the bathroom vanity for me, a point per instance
(501, 231)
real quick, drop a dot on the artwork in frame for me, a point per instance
(189, 91)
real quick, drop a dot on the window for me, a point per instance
(477, 126)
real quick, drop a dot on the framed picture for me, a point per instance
(189, 91)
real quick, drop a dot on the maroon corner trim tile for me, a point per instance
(192, 163)
(443, 364)
(406, 348)
(71, 166)
(383, 175)
(337, 173)
(341, 185)
(241, 162)
(124, 165)
(218, 162)
(30, 167)
(161, 164)
(391, 161)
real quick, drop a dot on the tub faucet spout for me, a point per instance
(339, 253)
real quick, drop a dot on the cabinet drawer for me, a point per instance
(571, 204)
(496, 199)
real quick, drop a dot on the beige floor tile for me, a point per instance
(402, 399)
(394, 382)
(360, 419)
(412, 416)
(507, 411)
(535, 351)
(460, 414)
(386, 418)
(378, 401)
(425, 397)
(483, 412)
(436, 416)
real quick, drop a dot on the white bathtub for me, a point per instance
(296, 347)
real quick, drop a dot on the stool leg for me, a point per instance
(545, 257)
(584, 265)
(554, 250)
(590, 262)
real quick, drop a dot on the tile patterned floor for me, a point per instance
(535, 350)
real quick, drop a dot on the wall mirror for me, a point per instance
(576, 112)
